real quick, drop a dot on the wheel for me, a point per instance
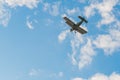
(71, 30)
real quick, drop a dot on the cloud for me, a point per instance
(4, 14)
(86, 54)
(52, 9)
(28, 3)
(34, 72)
(109, 42)
(46, 6)
(29, 24)
(57, 75)
(86, 47)
(63, 15)
(75, 44)
(55, 9)
(49, 21)
(99, 76)
(77, 79)
(81, 1)
(63, 35)
(80, 46)
(82, 51)
(105, 9)
(73, 11)
(61, 74)
(45, 74)
(89, 10)
(5, 9)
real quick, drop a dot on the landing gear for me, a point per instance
(71, 30)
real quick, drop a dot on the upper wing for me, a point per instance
(81, 30)
(69, 22)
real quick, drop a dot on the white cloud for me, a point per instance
(77, 79)
(4, 14)
(49, 21)
(28, 3)
(114, 76)
(63, 35)
(73, 11)
(60, 74)
(45, 74)
(55, 9)
(86, 54)
(80, 47)
(109, 42)
(89, 11)
(99, 76)
(63, 15)
(83, 48)
(81, 1)
(105, 9)
(46, 6)
(34, 72)
(52, 9)
(75, 44)
(56, 75)
(29, 24)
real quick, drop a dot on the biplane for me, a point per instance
(76, 26)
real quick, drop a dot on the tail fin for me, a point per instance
(83, 19)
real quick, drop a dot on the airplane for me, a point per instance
(76, 26)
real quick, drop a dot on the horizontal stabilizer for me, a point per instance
(83, 19)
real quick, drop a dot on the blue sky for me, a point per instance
(36, 44)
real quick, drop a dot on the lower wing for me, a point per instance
(81, 30)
